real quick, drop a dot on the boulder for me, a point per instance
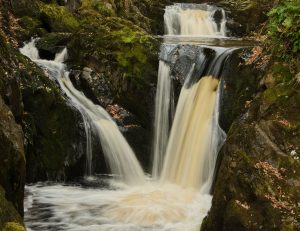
(57, 18)
(122, 55)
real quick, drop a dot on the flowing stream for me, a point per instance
(186, 143)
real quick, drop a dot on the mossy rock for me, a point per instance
(25, 8)
(123, 53)
(12, 161)
(12, 164)
(9, 217)
(13, 226)
(57, 18)
(105, 8)
(53, 129)
(257, 185)
(30, 27)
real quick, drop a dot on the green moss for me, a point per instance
(105, 8)
(30, 27)
(133, 47)
(13, 226)
(8, 214)
(284, 29)
(115, 40)
(281, 73)
(58, 18)
(287, 226)
(273, 94)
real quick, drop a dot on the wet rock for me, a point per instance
(10, 219)
(239, 80)
(12, 164)
(138, 137)
(54, 132)
(51, 44)
(259, 192)
(94, 85)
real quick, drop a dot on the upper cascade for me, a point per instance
(195, 20)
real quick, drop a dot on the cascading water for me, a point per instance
(163, 104)
(116, 150)
(177, 196)
(194, 20)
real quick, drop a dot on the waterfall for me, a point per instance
(189, 20)
(194, 20)
(193, 145)
(176, 197)
(163, 103)
(117, 152)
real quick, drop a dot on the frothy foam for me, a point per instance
(151, 207)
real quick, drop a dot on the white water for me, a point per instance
(194, 20)
(118, 153)
(192, 152)
(180, 199)
(148, 208)
(163, 103)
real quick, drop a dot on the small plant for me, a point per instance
(284, 28)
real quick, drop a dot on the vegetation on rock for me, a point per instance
(10, 219)
(257, 185)
(284, 28)
(57, 18)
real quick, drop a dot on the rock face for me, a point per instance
(257, 184)
(12, 168)
(10, 219)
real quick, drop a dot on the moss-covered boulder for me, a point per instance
(57, 18)
(10, 219)
(258, 184)
(121, 53)
(13, 226)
